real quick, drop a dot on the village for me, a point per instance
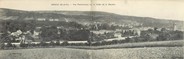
(88, 35)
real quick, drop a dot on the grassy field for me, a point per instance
(69, 53)
(141, 50)
(174, 43)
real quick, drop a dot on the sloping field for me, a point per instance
(68, 53)
(174, 43)
(147, 44)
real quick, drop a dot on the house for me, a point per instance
(17, 33)
(118, 35)
(53, 19)
(41, 19)
(77, 42)
(102, 31)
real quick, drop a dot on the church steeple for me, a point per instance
(174, 26)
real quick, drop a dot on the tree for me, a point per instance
(14, 25)
(52, 43)
(58, 42)
(89, 42)
(79, 35)
(65, 43)
(9, 44)
(127, 39)
(48, 33)
(42, 43)
(14, 46)
(75, 25)
(150, 30)
(2, 46)
(163, 29)
(22, 44)
(155, 28)
(162, 37)
(147, 37)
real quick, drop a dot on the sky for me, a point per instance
(162, 9)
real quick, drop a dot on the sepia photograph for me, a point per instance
(91, 29)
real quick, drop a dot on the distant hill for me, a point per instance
(86, 17)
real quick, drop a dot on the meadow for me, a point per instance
(70, 53)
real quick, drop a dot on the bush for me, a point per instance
(42, 43)
(65, 43)
(57, 42)
(52, 43)
(3, 46)
(9, 44)
(23, 45)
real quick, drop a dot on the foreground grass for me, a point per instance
(69, 53)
